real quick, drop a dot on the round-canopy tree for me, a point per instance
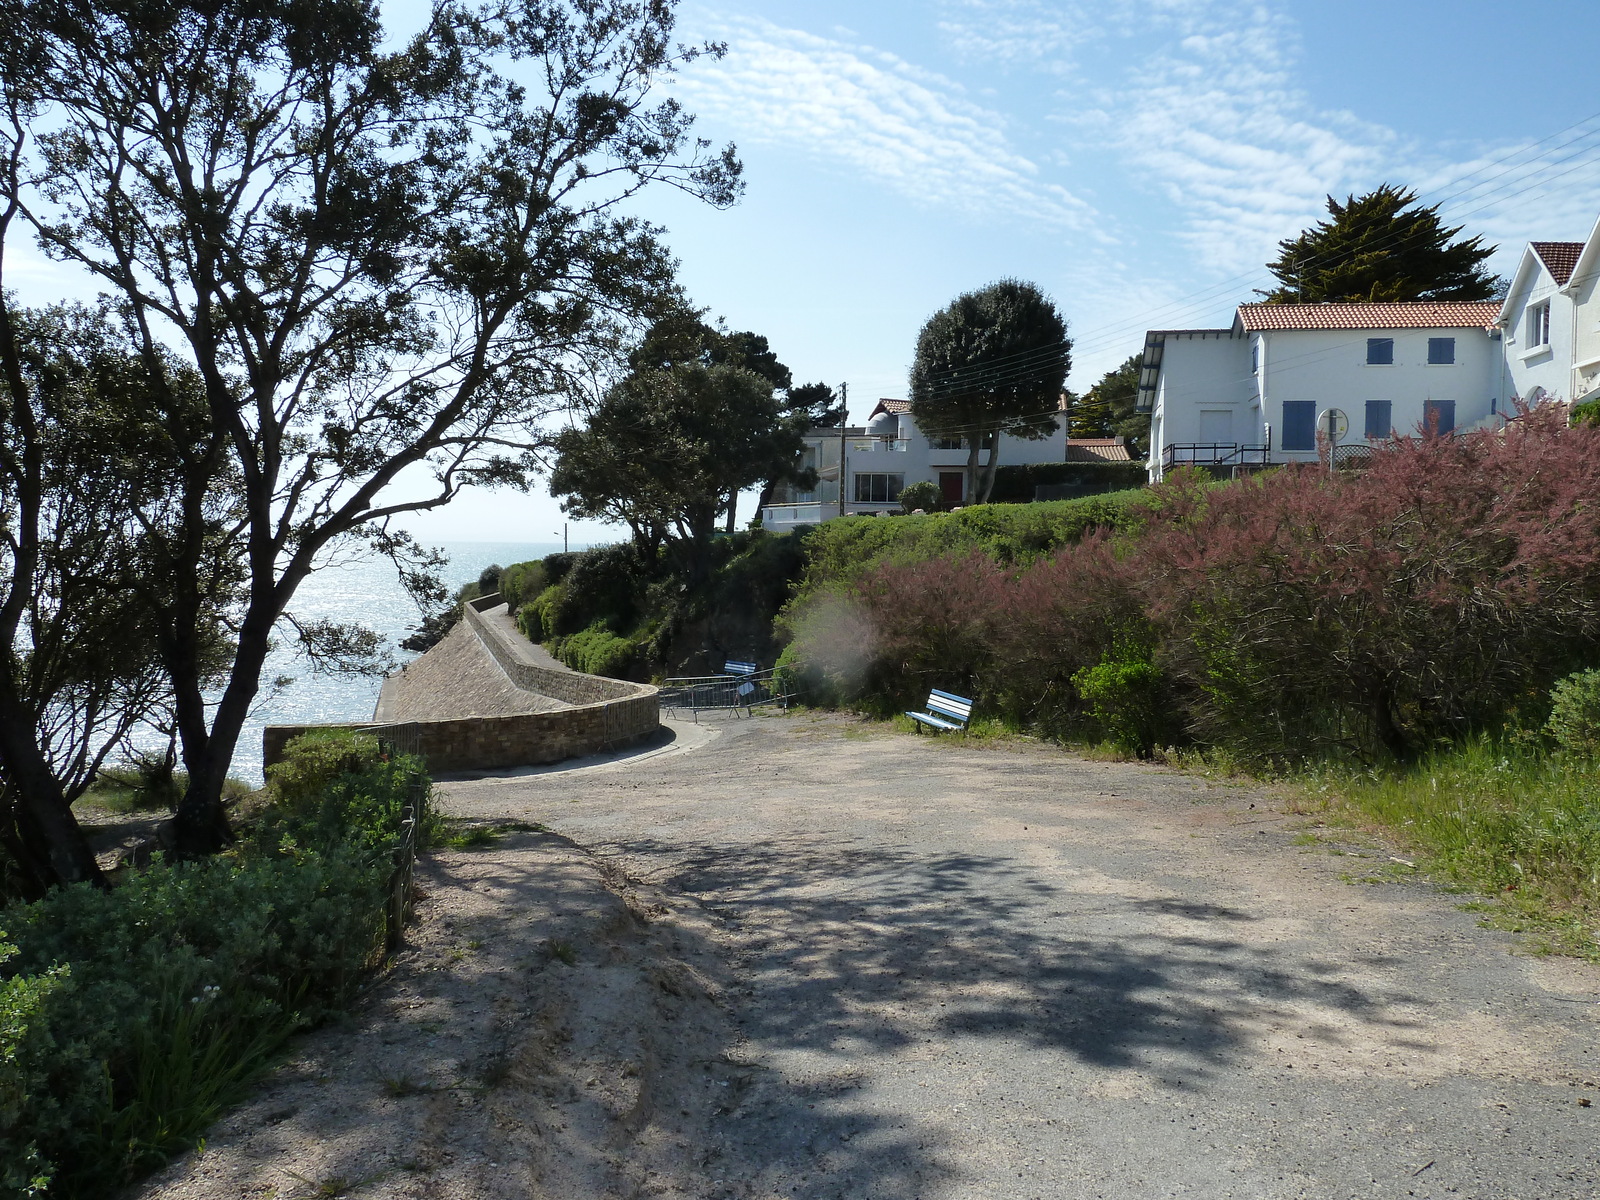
(993, 361)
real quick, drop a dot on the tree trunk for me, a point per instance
(48, 835)
(970, 495)
(733, 510)
(987, 485)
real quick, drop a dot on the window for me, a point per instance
(1441, 352)
(1536, 325)
(939, 443)
(1255, 358)
(1299, 425)
(1379, 419)
(1380, 353)
(1439, 416)
(879, 489)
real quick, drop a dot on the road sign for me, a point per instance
(1333, 424)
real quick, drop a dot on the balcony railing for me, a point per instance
(875, 444)
(1213, 454)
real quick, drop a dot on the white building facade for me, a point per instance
(884, 457)
(1250, 395)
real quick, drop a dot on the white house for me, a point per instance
(1538, 318)
(884, 457)
(1551, 318)
(1249, 395)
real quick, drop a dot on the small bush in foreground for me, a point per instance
(1124, 692)
(129, 1018)
(1575, 713)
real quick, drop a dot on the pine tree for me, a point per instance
(1381, 247)
(1110, 407)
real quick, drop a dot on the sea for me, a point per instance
(366, 591)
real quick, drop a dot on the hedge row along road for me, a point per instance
(826, 960)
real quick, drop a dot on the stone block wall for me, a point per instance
(607, 714)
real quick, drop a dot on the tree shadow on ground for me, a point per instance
(863, 948)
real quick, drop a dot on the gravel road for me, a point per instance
(951, 971)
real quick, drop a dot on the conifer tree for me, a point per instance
(1382, 246)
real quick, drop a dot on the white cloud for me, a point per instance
(872, 112)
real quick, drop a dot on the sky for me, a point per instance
(1137, 159)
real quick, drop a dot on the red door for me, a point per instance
(950, 486)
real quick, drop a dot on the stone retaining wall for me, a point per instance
(606, 714)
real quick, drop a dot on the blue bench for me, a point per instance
(946, 712)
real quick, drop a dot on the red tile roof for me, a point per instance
(1421, 314)
(1560, 257)
(1097, 450)
(892, 406)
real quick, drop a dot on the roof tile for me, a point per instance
(1561, 258)
(1420, 314)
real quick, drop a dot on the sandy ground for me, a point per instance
(800, 958)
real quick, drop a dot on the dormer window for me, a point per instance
(1536, 325)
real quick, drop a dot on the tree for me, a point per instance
(85, 444)
(385, 267)
(991, 362)
(1378, 247)
(666, 448)
(1110, 407)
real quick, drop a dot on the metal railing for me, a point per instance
(1213, 454)
(730, 692)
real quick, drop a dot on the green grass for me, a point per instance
(1505, 820)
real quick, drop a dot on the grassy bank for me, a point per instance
(1502, 818)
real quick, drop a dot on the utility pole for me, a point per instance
(844, 419)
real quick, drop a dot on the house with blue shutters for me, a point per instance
(1249, 395)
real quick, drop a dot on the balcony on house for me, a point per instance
(1215, 456)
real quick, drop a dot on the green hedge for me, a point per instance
(1015, 485)
(130, 1018)
(1010, 533)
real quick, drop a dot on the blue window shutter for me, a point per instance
(1380, 352)
(1299, 425)
(1439, 416)
(1441, 351)
(1379, 422)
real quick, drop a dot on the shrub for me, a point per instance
(489, 580)
(1124, 694)
(1017, 484)
(129, 1018)
(596, 651)
(1383, 612)
(522, 582)
(923, 495)
(1575, 713)
(603, 584)
(530, 620)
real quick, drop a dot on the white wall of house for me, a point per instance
(1204, 393)
(1584, 290)
(1218, 388)
(1330, 369)
(1538, 319)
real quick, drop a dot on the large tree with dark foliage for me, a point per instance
(991, 362)
(1382, 246)
(666, 449)
(88, 454)
(385, 265)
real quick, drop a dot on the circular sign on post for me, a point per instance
(1333, 424)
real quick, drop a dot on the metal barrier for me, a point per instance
(412, 818)
(729, 692)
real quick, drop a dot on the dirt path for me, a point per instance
(879, 966)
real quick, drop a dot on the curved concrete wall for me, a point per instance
(605, 714)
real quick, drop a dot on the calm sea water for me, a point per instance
(367, 592)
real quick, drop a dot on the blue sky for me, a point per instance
(1138, 159)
